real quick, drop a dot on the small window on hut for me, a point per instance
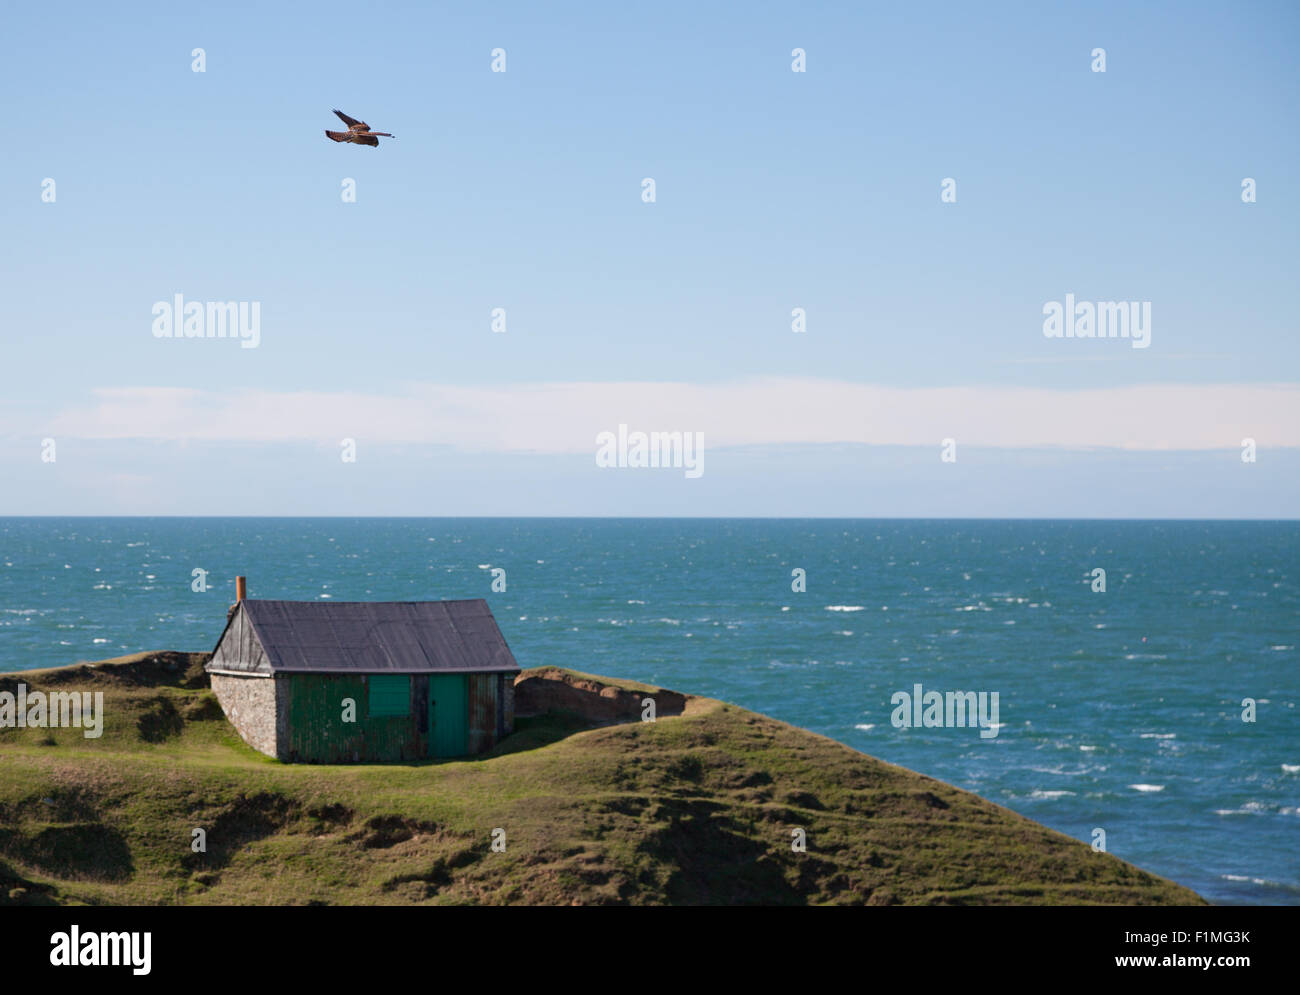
(390, 694)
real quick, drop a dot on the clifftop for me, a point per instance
(594, 807)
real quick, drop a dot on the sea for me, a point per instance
(1160, 710)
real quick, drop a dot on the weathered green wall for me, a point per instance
(311, 727)
(315, 732)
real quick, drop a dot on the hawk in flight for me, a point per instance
(358, 132)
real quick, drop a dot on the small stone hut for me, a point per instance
(364, 681)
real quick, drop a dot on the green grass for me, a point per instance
(697, 808)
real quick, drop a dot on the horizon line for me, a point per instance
(667, 518)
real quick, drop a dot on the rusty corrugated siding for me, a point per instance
(482, 711)
(507, 704)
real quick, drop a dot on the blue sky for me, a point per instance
(774, 190)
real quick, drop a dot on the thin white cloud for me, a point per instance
(566, 417)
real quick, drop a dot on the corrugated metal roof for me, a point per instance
(374, 636)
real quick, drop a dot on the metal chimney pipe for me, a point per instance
(241, 588)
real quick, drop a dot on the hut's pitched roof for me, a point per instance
(363, 637)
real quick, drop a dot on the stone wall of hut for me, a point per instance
(250, 704)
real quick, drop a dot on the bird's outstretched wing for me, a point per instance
(340, 136)
(366, 140)
(352, 122)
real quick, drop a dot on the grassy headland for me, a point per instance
(693, 808)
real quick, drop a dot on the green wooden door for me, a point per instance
(448, 715)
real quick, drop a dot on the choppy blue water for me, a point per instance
(1121, 710)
